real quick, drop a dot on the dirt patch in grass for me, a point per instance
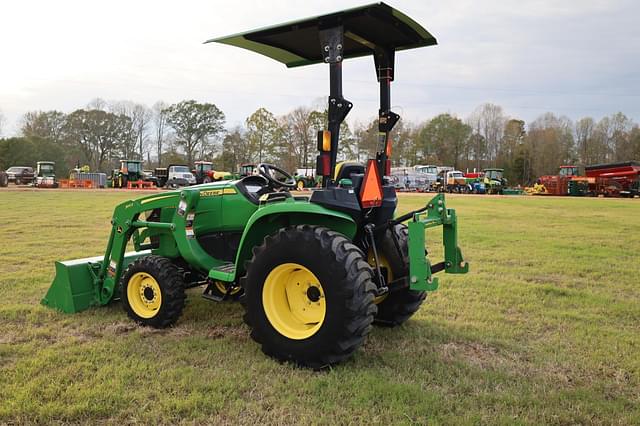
(476, 354)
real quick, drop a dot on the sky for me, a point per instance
(573, 58)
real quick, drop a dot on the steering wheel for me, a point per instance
(264, 170)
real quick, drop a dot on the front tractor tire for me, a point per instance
(397, 306)
(153, 292)
(308, 296)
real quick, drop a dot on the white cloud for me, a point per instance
(573, 57)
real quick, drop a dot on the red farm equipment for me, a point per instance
(559, 184)
(614, 179)
(609, 180)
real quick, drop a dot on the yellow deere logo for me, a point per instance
(211, 193)
(215, 192)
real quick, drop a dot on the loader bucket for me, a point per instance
(75, 286)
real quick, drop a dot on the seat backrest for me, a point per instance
(346, 168)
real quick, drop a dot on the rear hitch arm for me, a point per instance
(435, 213)
(379, 278)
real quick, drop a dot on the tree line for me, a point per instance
(104, 132)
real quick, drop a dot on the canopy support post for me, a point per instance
(384, 64)
(331, 43)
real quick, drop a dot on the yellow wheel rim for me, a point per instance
(223, 289)
(294, 301)
(143, 295)
(384, 263)
(300, 185)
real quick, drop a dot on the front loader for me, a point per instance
(313, 273)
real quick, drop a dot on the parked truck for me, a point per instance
(20, 174)
(174, 176)
(452, 181)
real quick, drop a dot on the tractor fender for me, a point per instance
(268, 219)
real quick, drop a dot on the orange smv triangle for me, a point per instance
(371, 192)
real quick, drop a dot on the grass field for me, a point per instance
(544, 329)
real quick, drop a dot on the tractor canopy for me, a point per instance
(377, 30)
(366, 28)
(45, 168)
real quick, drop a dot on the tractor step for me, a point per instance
(213, 292)
(224, 272)
(210, 294)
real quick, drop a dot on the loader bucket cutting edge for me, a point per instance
(74, 288)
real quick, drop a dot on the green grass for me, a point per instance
(544, 329)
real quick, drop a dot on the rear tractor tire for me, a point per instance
(398, 306)
(308, 296)
(152, 291)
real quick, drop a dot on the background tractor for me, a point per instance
(494, 181)
(475, 182)
(559, 184)
(204, 173)
(129, 171)
(45, 175)
(314, 272)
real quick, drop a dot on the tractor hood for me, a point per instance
(365, 29)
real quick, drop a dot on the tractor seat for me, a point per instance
(349, 174)
(345, 169)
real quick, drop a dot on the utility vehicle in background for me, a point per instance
(45, 176)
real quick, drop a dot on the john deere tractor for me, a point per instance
(494, 181)
(129, 171)
(313, 273)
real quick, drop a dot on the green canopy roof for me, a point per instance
(365, 28)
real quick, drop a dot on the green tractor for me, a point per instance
(129, 171)
(313, 273)
(494, 181)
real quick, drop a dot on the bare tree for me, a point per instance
(262, 132)
(235, 149)
(603, 137)
(302, 122)
(99, 104)
(552, 143)
(44, 124)
(584, 140)
(194, 123)
(488, 120)
(97, 134)
(160, 121)
(140, 116)
(621, 136)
